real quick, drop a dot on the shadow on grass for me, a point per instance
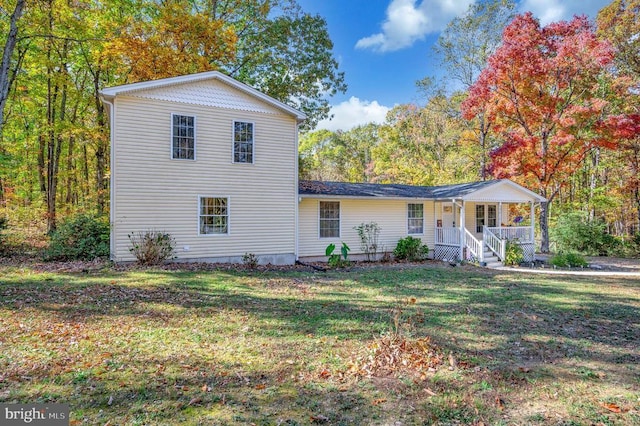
(508, 323)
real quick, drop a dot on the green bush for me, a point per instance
(250, 260)
(514, 255)
(152, 247)
(83, 237)
(568, 260)
(574, 232)
(411, 249)
(335, 260)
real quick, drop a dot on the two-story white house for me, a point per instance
(214, 163)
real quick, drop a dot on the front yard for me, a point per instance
(225, 347)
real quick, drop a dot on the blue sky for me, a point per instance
(385, 46)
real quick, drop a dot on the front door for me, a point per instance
(448, 215)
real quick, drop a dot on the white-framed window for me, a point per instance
(242, 142)
(329, 219)
(415, 218)
(492, 215)
(479, 217)
(486, 214)
(183, 137)
(213, 216)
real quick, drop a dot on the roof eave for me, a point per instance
(111, 92)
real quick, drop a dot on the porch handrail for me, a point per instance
(448, 236)
(520, 233)
(474, 246)
(495, 244)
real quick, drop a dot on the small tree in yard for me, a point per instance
(369, 233)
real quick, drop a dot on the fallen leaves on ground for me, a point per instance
(392, 354)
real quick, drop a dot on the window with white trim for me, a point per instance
(183, 137)
(329, 219)
(479, 217)
(214, 215)
(242, 142)
(415, 218)
(492, 216)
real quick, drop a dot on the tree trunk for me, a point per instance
(101, 149)
(593, 182)
(544, 226)
(10, 44)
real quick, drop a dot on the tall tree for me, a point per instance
(269, 44)
(619, 22)
(464, 47)
(423, 145)
(7, 54)
(545, 91)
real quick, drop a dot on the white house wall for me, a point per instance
(390, 215)
(153, 191)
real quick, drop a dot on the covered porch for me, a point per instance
(478, 226)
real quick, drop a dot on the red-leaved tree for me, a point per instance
(548, 93)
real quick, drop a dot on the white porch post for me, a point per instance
(533, 221)
(500, 217)
(462, 233)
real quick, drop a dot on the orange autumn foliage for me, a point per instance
(177, 41)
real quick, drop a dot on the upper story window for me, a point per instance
(415, 219)
(329, 219)
(183, 137)
(242, 142)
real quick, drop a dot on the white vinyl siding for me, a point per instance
(242, 142)
(415, 218)
(183, 137)
(329, 223)
(214, 215)
(152, 191)
(390, 215)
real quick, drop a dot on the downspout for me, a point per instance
(112, 182)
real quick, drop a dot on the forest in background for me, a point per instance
(553, 108)
(562, 118)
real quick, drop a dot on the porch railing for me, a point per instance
(521, 233)
(448, 236)
(495, 243)
(473, 245)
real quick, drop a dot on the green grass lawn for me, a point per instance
(170, 347)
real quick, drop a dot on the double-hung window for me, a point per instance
(214, 215)
(479, 217)
(242, 142)
(492, 216)
(415, 219)
(183, 137)
(329, 219)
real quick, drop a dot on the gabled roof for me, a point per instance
(132, 89)
(318, 189)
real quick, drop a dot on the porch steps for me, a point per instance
(491, 260)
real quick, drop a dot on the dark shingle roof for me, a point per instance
(309, 187)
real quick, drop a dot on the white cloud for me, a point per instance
(408, 22)
(352, 113)
(553, 10)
